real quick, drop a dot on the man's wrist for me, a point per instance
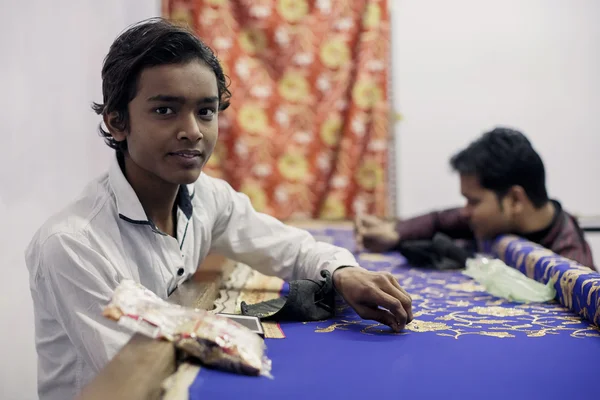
(336, 276)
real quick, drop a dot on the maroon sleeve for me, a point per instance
(450, 222)
(568, 240)
(581, 254)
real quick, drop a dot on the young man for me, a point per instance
(503, 180)
(154, 216)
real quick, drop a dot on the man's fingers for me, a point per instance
(367, 242)
(379, 315)
(371, 241)
(359, 232)
(393, 288)
(360, 247)
(396, 284)
(359, 240)
(381, 299)
(399, 307)
(369, 221)
(359, 222)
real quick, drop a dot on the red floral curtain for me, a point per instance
(308, 131)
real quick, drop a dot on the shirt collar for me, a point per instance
(128, 204)
(541, 235)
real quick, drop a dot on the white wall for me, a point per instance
(463, 66)
(50, 73)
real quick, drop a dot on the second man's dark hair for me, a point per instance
(501, 159)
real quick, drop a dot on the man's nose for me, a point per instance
(190, 129)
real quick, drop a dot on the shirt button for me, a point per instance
(180, 271)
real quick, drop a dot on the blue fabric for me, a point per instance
(463, 343)
(577, 287)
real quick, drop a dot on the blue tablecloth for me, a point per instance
(463, 344)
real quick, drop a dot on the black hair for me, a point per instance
(501, 159)
(149, 43)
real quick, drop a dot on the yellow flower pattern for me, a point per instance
(366, 94)
(294, 87)
(253, 119)
(307, 105)
(292, 10)
(369, 175)
(331, 130)
(333, 209)
(293, 166)
(372, 16)
(256, 194)
(252, 40)
(182, 16)
(335, 53)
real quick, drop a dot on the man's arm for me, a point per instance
(73, 283)
(267, 245)
(377, 235)
(450, 222)
(574, 247)
(582, 255)
(273, 248)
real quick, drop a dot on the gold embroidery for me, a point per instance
(338, 325)
(520, 259)
(532, 258)
(426, 326)
(567, 284)
(592, 291)
(591, 331)
(497, 311)
(459, 303)
(461, 307)
(469, 286)
(502, 245)
(497, 334)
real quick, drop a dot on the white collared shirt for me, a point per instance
(80, 255)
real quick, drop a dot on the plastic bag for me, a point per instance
(503, 281)
(215, 340)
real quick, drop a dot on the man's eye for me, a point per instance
(206, 113)
(163, 110)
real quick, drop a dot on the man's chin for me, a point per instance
(186, 177)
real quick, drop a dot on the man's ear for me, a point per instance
(517, 198)
(116, 125)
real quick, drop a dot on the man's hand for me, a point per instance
(374, 295)
(374, 234)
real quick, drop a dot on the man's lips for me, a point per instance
(187, 153)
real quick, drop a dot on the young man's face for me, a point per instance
(487, 216)
(173, 125)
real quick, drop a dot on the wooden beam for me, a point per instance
(135, 373)
(141, 366)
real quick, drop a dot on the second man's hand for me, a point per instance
(374, 234)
